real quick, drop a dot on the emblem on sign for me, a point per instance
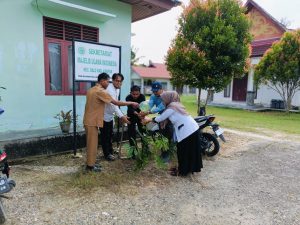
(81, 50)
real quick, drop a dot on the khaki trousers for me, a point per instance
(91, 144)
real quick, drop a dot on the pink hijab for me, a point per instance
(172, 101)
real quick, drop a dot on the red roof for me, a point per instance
(156, 70)
(261, 46)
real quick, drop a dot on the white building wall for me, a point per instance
(265, 94)
(296, 99)
(22, 72)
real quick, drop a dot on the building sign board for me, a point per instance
(91, 59)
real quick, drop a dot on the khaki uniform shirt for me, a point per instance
(96, 98)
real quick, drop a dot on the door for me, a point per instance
(240, 88)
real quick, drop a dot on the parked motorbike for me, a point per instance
(211, 143)
(209, 140)
(6, 184)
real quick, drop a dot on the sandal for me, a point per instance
(174, 172)
(172, 169)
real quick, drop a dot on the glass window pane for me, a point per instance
(55, 70)
(70, 71)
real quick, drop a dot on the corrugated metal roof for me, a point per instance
(142, 9)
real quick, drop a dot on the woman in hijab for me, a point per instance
(186, 134)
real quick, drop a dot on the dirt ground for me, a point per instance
(254, 180)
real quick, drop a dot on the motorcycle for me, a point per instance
(6, 184)
(211, 143)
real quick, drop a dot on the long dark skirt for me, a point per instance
(189, 154)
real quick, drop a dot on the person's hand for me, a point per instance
(146, 120)
(135, 105)
(142, 115)
(125, 119)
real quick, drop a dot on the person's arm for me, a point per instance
(106, 97)
(159, 108)
(121, 103)
(165, 115)
(151, 102)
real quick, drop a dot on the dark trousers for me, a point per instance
(106, 138)
(189, 154)
(132, 130)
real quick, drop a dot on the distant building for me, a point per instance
(143, 76)
(242, 92)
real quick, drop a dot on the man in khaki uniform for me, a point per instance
(96, 98)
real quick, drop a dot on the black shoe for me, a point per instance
(93, 169)
(110, 157)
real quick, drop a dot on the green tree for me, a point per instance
(212, 45)
(279, 67)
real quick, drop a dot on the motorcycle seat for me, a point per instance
(200, 118)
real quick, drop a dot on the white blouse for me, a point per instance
(184, 125)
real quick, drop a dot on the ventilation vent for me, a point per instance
(72, 31)
(54, 28)
(90, 33)
(67, 31)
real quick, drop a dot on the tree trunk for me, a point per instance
(179, 89)
(288, 105)
(199, 101)
(209, 96)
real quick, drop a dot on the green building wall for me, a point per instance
(22, 59)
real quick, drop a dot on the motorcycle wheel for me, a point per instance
(2, 213)
(213, 145)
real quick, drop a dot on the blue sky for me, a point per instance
(152, 36)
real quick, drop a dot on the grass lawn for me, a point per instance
(239, 119)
